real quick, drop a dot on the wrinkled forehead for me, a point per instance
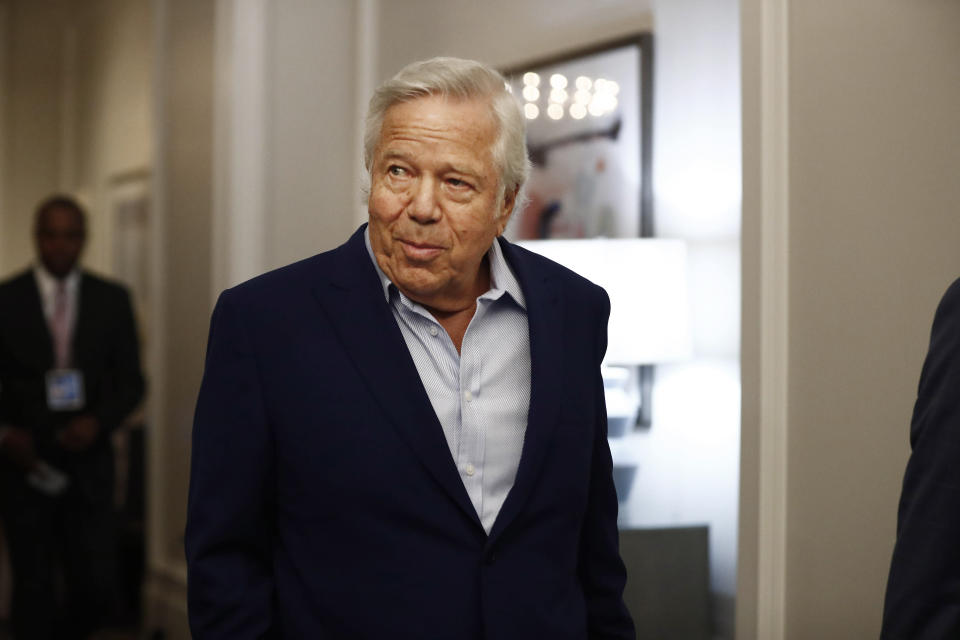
(435, 124)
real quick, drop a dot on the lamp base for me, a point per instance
(623, 477)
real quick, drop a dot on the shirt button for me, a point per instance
(468, 396)
(433, 331)
(470, 470)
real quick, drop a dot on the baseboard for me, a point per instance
(165, 603)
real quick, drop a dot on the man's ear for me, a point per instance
(506, 210)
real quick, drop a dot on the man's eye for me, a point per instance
(457, 182)
(394, 170)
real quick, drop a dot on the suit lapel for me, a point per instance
(353, 301)
(545, 319)
(83, 324)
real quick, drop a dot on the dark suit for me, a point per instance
(324, 502)
(923, 592)
(77, 524)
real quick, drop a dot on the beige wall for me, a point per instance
(874, 150)
(31, 120)
(111, 131)
(874, 236)
(311, 198)
(76, 112)
(186, 122)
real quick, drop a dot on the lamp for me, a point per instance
(649, 319)
(646, 279)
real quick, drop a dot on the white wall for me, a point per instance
(499, 32)
(691, 455)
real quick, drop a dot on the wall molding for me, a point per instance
(4, 91)
(165, 601)
(366, 28)
(774, 319)
(156, 359)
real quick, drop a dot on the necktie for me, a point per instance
(60, 327)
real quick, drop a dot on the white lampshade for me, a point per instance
(646, 279)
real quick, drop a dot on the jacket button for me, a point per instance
(490, 558)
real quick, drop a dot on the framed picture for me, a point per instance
(589, 138)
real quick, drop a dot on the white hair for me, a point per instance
(459, 79)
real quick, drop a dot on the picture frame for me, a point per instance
(589, 138)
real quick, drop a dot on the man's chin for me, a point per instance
(59, 271)
(418, 290)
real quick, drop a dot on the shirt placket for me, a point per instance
(472, 445)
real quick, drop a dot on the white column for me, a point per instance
(365, 58)
(763, 559)
(240, 134)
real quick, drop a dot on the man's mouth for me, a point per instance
(420, 251)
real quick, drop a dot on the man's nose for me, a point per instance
(424, 206)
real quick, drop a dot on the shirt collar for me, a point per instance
(47, 282)
(502, 279)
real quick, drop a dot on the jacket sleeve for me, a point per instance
(123, 379)
(231, 509)
(923, 591)
(602, 573)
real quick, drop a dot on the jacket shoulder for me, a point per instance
(288, 285)
(17, 282)
(282, 279)
(539, 266)
(948, 307)
(99, 284)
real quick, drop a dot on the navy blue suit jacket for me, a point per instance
(923, 591)
(324, 502)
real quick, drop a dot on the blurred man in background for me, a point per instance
(69, 375)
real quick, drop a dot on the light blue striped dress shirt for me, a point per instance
(481, 395)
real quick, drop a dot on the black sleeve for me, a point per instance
(230, 511)
(602, 572)
(123, 383)
(923, 591)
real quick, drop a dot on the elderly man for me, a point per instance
(69, 375)
(405, 437)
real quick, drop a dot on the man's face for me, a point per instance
(434, 205)
(60, 237)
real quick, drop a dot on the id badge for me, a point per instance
(65, 390)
